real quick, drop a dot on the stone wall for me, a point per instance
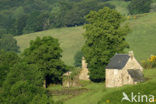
(84, 63)
(126, 78)
(84, 74)
(69, 82)
(113, 78)
(117, 78)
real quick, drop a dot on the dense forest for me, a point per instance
(25, 16)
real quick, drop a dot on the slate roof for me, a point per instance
(118, 61)
(136, 75)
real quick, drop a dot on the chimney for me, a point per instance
(131, 54)
(84, 64)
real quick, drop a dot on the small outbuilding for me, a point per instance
(123, 69)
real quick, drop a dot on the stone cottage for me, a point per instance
(84, 72)
(123, 69)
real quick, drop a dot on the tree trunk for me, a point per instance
(44, 84)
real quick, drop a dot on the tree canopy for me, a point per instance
(46, 54)
(26, 16)
(8, 43)
(7, 60)
(104, 37)
(23, 86)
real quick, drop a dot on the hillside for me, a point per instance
(70, 39)
(141, 38)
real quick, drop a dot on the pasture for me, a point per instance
(141, 38)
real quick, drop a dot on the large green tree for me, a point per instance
(104, 37)
(46, 54)
(23, 85)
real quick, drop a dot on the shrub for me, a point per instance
(149, 63)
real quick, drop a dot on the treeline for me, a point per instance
(140, 6)
(25, 16)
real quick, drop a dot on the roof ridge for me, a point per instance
(121, 54)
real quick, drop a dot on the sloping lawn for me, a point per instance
(141, 39)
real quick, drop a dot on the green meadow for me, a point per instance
(141, 38)
(71, 41)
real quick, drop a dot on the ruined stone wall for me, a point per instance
(68, 82)
(84, 63)
(84, 72)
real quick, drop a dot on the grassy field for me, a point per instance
(96, 93)
(70, 39)
(141, 39)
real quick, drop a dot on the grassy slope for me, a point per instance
(71, 40)
(141, 39)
